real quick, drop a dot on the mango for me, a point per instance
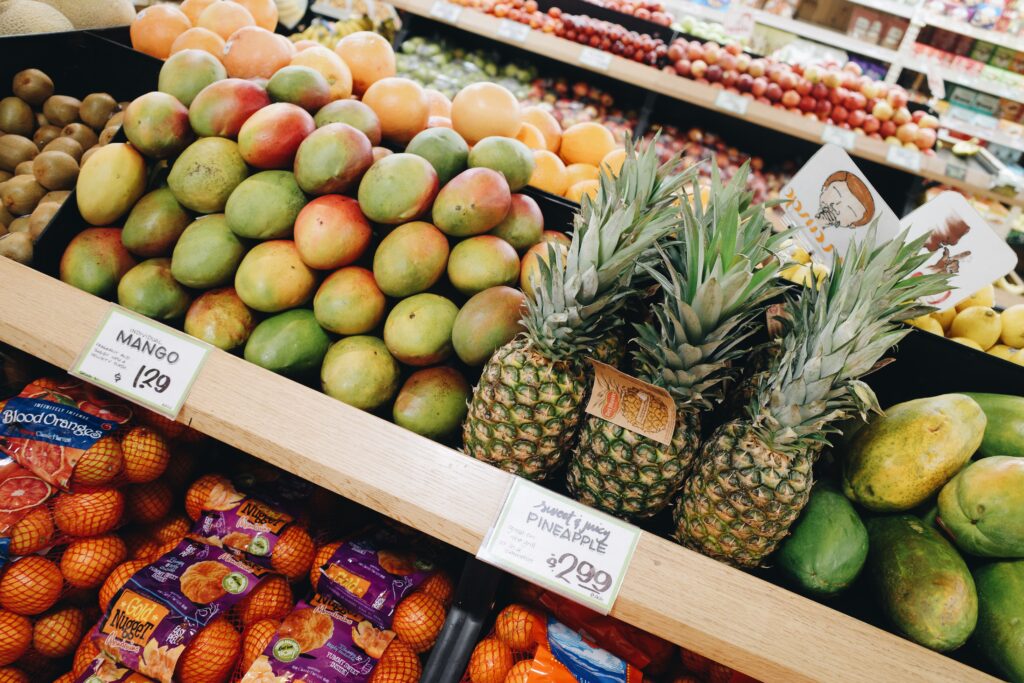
(433, 402)
(187, 72)
(110, 183)
(272, 277)
(982, 507)
(445, 149)
(524, 224)
(355, 114)
(290, 344)
(208, 253)
(508, 156)
(410, 259)
(220, 109)
(488, 321)
(397, 189)
(349, 302)
(270, 137)
(480, 262)
(922, 583)
(95, 261)
(332, 159)
(1004, 431)
(155, 224)
(220, 318)
(472, 203)
(206, 173)
(360, 371)
(901, 458)
(1000, 632)
(300, 85)
(150, 289)
(265, 205)
(418, 331)
(157, 125)
(331, 232)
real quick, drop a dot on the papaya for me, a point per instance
(982, 507)
(1004, 433)
(827, 546)
(903, 457)
(1000, 632)
(922, 583)
(290, 343)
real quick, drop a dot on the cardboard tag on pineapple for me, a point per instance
(831, 203)
(962, 244)
(632, 404)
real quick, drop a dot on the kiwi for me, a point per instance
(96, 109)
(44, 134)
(88, 153)
(21, 194)
(41, 120)
(55, 170)
(16, 116)
(21, 224)
(33, 86)
(79, 131)
(116, 120)
(56, 197)
(108, 134)
(66, 145)
(15, 149)
(40, 218)
(5, 176)
(24, 168)
(5, 217)
(17, 247)
(60, 110)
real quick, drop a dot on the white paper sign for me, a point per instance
(832, 204)
(962, 244)
(562, 545)
(956, 171)
(142, 360)
(739, 21)
(513, 30)
(838, 136)
(596, 59)
(731, 102)
(936, 85)
(445, 11)
(909, 159)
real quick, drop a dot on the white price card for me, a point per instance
(596, 59)
(513, 30)
(846, 139)
(142, 360)
(906, 158)
(956, 171)
(445, 11)
(731, 102)
(562, 545)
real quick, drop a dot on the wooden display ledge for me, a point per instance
(721, 612)
(975, 181)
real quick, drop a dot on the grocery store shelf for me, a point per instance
(898, 9)
(965, 29)
(993, 135)
(723, 613)
(957, 76)
(826, 36)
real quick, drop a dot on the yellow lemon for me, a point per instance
(580, 172)
(986, 296)
(967, 342)
(945, 317)
(1013, 326)
(927, 323)
(584, 187)
(800, 255)
(979, 323)
(1002, 351)
(613, 160)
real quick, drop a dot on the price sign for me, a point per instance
(560, 544)
(596, 59)
(513, 30)
(142, 360)
(936, 84)
(731, 102)
(445, 11)
(739, 21)
(838, 136)
(956, 171)
(906, 158)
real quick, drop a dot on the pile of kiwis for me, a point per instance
(44, 140)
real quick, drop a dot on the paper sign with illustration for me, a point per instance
(962, 244)
(832, 204)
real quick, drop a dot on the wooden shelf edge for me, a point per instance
(738, 619)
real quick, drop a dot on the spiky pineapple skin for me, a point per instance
(627, 474)
(525, 412)
(742, 497)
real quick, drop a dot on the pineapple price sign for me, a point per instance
(562, 545)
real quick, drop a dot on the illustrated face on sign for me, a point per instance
(845, 201)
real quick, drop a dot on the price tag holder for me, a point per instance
(731, 102)
(445, 11)
(562, 545)
(956, 171)
(513, 30)
(596, 59)
(143, 361)
(905, 158)
(846, 139)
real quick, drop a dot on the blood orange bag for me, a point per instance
(21, 492)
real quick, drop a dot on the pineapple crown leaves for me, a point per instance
(573, 307)
(835, 334)
(713, 292)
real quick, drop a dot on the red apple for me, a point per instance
(759, 86)
(694, 51)
(808, 103)
(698, 68)
(714, 73)
(854, 100)
(857, 117)
(853, 68)
(882, 111)
(925, 138)
(901, 116)
(804, 86)
(893, 140)
(727, 61)
(819, 91)
(744, 82)
(788, 80)
(871, 124)
(839, 114)
(823, 108)
(837, 95)
(763, 100)
(897, 97)
(729, 79)
(712, 52)
(791, 99)
(887, 129)
(907, 132)
(774, 92)
(832, 79)
(813, 73)
(683, 67)
(676, 52)
(917, 115)
(756, 68)
(743, 62)
(928, 121)
(735, 49)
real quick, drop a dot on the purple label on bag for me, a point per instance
(249, 527)
(105, 670)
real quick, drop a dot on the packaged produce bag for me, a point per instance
(22, 495)
(565, 656)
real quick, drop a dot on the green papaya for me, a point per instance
(923, 585)
(1000, 632)
(1004, 433)
(827, 547)
(982, 507)
(290, 343)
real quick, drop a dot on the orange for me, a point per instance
(179, 470)
(440, 587)
(418, 620)
(117, 579)
(263, 11)
(490, 662)
(199, 39)
(146, 454)
(21, 493)
(86, 652)
(515, 627)
(253, 52)
(169, 428)
(529, 268)
(369, 56)
(56, 634)
(271, 599)
(439, 122)
(613, 160)
(401, 105)
(88, 562)
(293, 552)
(584, 187)
(193, 8)
(586, 143)
(547, 124)
(148, 503)
(154, 29)
(30, 585)
(10, 674)
(530, 136)
(255, 639)
(224, 18)
(199, 492)
(549, 173)
(305, 44)
(15, 636)
(332, 67)
(520, 672)
(323, 553)
(32, 533)
(171, 529)
(211, 656)
(438, 103)
(88, 514)
(580, 172)
(398, 665)
(483, 109)
(99, 465)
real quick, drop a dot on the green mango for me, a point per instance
(1004, 433)
(207, 253)
(290, 343)
(1000, 632)
(982, 507)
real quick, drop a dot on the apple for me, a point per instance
(819, 91)
(791, 99)
(698, 68)
(683, 67)
(676, 52)
(763, 100)
(735, 49)
(907, 132)
(901, 116)
(870, 88)
(871, 124)
(694, 51)
(823, 108)
(893, 140)
(804, 86)
(837, 95)
(810, 115)
(756, 68)
(917, 115)
(712, 52)
(813, 73)
(925, 138)
(832, 79)
(897, 97)
(887, 129)
(840, 113)
(857, 117)
(808, 103)
(875, 136)
(729, 79)
(928, 121)
(882, 111)
(743, 62)
(744, 82)
(910, 145)
(853, 68)
(845, 125)
(774, 92)
(759, 86)
(854, 100)
(714, 73)
(788, 80)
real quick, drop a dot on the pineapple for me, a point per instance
(712, 293)
(525, 410)
(753, 476)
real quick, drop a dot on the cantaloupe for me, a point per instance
(95, 14)
(19, 17)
